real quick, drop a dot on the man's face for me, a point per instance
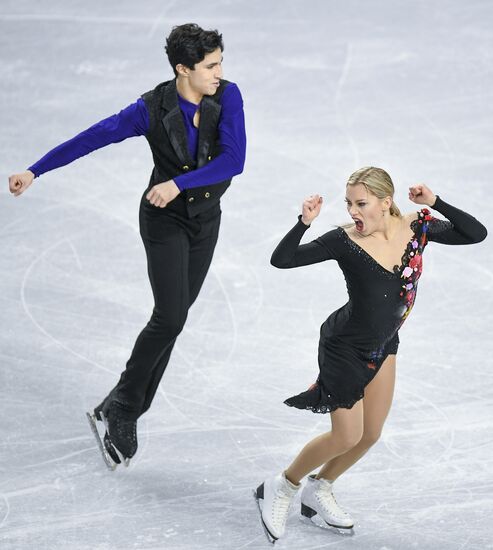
(206, 75)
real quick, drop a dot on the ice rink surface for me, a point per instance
(328, 86)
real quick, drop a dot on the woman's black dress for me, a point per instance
(356, 339)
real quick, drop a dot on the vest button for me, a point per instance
(186, 168)
(191, 199)
(207, 195)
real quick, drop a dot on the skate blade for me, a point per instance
(270, 538)
(319, 522)
(123, 460)
(110, 463)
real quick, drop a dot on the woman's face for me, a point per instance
(366, 210)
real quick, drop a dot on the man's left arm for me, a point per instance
(232, 138)
(227, 164)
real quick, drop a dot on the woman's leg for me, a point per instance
(347, 430)
(376, 405)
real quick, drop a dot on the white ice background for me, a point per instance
(329, 86)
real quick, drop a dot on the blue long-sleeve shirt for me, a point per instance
(134, 121)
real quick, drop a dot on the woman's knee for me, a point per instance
(348, 439)
(370, 436)
(347, 427)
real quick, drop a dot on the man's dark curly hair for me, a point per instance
(188, 44)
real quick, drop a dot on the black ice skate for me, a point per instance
(119, 442)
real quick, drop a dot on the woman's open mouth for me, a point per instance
(358, 224)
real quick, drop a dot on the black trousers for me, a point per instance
(179, 252)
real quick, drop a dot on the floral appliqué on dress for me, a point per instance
(412, 262)
(412, 267)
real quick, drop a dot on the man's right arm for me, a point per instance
(131, 121)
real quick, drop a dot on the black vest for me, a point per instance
(167, 138)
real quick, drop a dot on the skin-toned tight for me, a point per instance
(354, 431)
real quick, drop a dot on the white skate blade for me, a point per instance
(270, 538)
(110, 463)
(319, 522)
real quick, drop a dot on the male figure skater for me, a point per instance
(195, 127)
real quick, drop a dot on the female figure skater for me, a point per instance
(381, 258)
(195, 127)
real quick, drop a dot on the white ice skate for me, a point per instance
(320, 507)
(274, 497)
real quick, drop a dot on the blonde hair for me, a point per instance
(377, 182)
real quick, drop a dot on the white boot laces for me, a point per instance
(282, 502)
(327, 499)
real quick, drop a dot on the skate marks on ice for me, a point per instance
(27, 307)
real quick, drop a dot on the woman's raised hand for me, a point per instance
(18, 183)
(420, 194)
(311, 208)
